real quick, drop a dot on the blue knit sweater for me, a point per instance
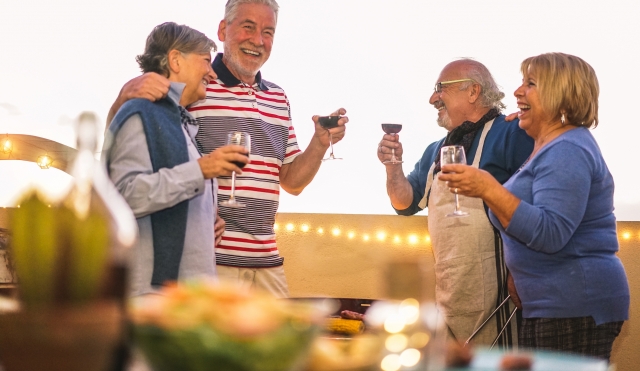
(561, 243)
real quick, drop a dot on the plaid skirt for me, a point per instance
(574, 335)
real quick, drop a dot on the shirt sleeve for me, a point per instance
(293, 150)
(131, 171)
(561, 183)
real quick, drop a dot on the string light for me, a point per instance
(365, 237)
(290, 227)
(336, 232)
(7, 146)
(276, 226)
(44, 161)
(396, 239)
(320, 231)
(351, 235)
(413, 239)
(626, 235)
(304, 228)
(381, 236)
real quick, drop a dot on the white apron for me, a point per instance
(464, 248)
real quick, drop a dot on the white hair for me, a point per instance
(231, 9)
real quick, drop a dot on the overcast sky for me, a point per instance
(378, 59)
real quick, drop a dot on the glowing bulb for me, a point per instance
(351, 235)
(320, 231)
(44, 161)
(396, 343)
(304, 228)
(391, 363)
(276, 227)
(419, 339)
(410, 357)
(394, 324)
(365, 237)
(7, 146)
(427, 239)
(335, 232)
(381, 236)
(396, 239)
(290, 227)
(413, 239)
(626, 235)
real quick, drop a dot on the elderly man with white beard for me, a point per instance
(471, 278)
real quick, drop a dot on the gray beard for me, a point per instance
(444, 122)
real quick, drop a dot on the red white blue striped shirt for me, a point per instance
(263, 111)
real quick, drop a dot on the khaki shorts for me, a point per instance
(271, 280)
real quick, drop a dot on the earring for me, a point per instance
(562, 119)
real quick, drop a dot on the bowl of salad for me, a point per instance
(204, 326)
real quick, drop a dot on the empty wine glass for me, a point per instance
(392, 129)
(329, 122)
(238, 138)
(454, 155)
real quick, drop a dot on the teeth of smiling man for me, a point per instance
(524, 106)
(247, 51)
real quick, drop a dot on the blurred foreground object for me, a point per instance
(70, 259)
(204, 325)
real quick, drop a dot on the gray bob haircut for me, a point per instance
(169, 36)
(491, 96)
(231, 9)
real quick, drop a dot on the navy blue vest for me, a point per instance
(167, 148)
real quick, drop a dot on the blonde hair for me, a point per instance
(566, 84)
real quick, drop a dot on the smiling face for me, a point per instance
(248, 39)
(532, 114)
(195, 71)
(454, 106)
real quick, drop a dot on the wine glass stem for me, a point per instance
(331, 144)
(233, 186)
(457, 203)
(393, 155)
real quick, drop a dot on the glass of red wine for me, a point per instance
(329, 122)
(392, 129)
(237, 138)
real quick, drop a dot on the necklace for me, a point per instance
(542, 142)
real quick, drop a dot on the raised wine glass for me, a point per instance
(238, 138)
(392, 129)
(329, 122)
(454, 155)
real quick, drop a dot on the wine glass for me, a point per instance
(453, 155)
(238, 138)
(329, 122)
(392, 129)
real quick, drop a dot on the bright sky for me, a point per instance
(377, 58)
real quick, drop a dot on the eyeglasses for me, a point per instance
(438, 87)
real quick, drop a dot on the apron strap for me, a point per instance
(476, 163)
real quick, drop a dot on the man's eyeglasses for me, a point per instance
(438, 87)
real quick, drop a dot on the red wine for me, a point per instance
(239, 164)
(391, 128)
(328, 122)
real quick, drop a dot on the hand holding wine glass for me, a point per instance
(329, 122)
(392, 129)
(242, 139)
(454, 155)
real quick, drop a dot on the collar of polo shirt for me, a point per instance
(227, 77)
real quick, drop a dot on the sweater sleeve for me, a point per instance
(562, 175)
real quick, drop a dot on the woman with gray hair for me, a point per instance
(152, 158)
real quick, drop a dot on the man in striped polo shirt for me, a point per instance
(240, 100)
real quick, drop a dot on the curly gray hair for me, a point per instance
(231, 9)
(491, 96)
(169, 36)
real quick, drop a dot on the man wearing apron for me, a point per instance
(469, 267)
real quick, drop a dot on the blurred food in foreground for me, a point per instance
(204, 325)
(516, 361)
(344, 326)
(348, 314)
(457, 355)
(361, 352)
